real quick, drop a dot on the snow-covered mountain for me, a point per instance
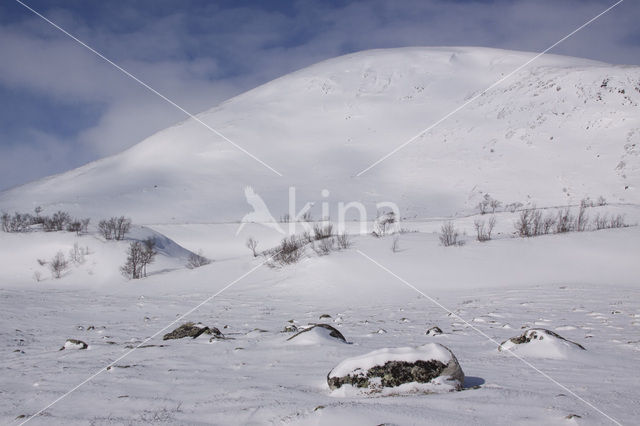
(558, 130)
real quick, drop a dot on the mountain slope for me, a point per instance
(555, 132)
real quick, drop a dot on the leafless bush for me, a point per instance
(57, 222)
(565, 221)
(513, 207)
(322, 231)
(384, 224)
(449, 235)
(524, 224)
(395, 245)
(289, 251)
(114, 228)
(37, 275)
(197, 260)
(58, 265)
(483, 232)
(285, 218)
(487, 204)
(325, 246)
(41, 262)
(76, 254)
(582, 219)
(548, 223)
(343, 240)
(601, 222)
(601, 201)
(617, 222)
(252, 245)
(307, 217)
(19, 222)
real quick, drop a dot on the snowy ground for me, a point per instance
(583, 286)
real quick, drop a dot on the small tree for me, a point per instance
(122, 227)
(58, 265)
(139, 255)
(75, 226)
(252, 244)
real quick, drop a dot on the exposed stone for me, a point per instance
(192, 330)
(434, 331)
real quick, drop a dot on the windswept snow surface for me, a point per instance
(555, 132)
(581, 285)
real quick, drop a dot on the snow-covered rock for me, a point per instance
(74, 344)
(317, 334)
(434, 331)
(541, 343)
(428, 368)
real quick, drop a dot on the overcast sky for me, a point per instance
(61, 106)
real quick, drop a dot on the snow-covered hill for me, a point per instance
(556, 131)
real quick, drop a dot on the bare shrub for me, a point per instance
(601, 201)
(41, 262)
(513, 207)
(582, 219)
(288, 252)
(617, 222)
(252, 245)
(449, 235)
(57, 222)
(537, 223)
(114, 228)
(325, 246)
(74, 226)
(565, 221)
(483, 232)
(343, 240)
(322, 231)
(37, 275)
(524, 224)
(58, 265)
(384, 224)
(76, 254)
(487, 204)
(548, 223)
(601, 222)
(19, 222)
(395, 245)
(197, 260)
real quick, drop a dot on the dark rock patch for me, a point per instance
(191, 330)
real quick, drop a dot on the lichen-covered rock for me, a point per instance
(192, 330)
(542, 343)
(318, 332)
(74, 344)
(428, 368)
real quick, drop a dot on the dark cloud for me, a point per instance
(68, 106)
